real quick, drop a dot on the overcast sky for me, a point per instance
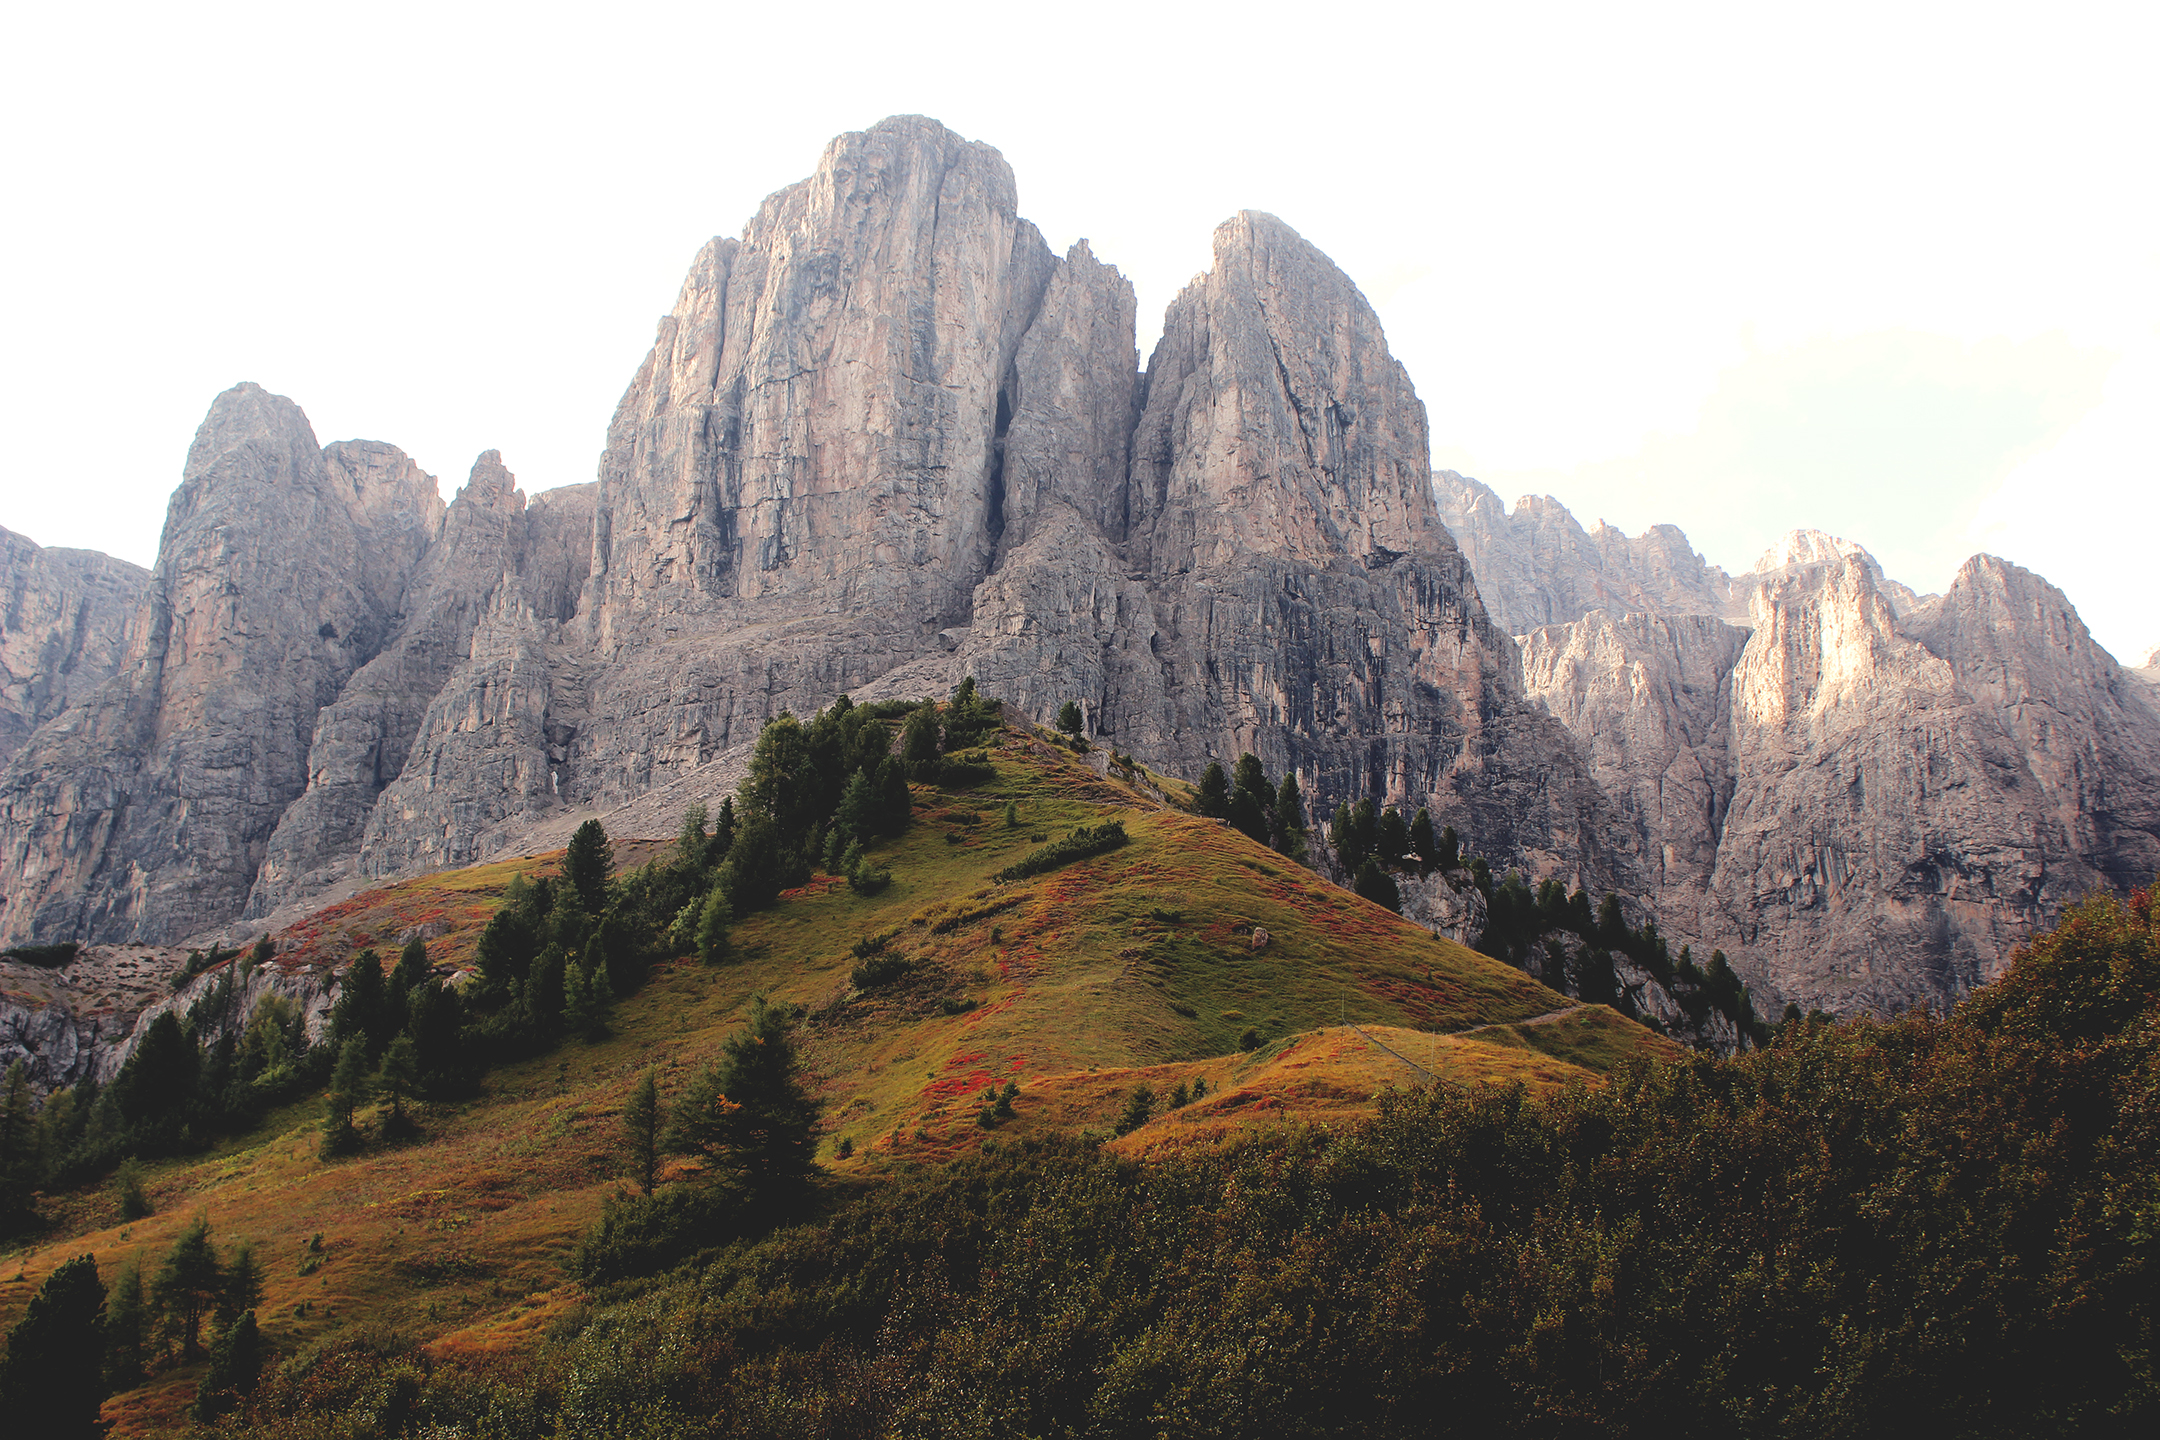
(1888, 271)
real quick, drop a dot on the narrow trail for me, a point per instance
(1388, 1050)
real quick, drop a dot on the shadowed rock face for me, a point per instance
(63, 629)
(145, 808)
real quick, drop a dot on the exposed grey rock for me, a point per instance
(1650, 698)
(59, 1023)
(63, 629)
(1538, 566)
(144, 809)
(362, 740)
(1865, 811)
(487, 750)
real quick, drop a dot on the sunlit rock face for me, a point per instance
(1865, 796)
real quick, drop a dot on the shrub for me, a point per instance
(879, 970)
(1080, 845)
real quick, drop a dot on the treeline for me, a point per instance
(553, 960)
(1522, 927)
(79, 1341)
(1937, 1225)
(1250, 802)
(195, 1076)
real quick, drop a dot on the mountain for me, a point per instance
(1867, 797)
(884, 438)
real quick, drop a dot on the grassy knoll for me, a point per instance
(1136, 966)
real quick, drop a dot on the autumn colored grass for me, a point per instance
(1135, 966)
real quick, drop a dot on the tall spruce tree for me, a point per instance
(750, 1117)
(54, 1376)
(589, 866)
(188, 1284)
(1212, 797)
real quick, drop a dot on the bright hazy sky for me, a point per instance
(1889, 271)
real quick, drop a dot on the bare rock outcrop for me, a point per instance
(363, 738)
(1538, 566)
(63, 629)
(1865, 810)
(144, 809)
(1650, 697)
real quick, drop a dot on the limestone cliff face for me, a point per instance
(361, 740)
(63, 629)
(486, 749)
(1650, 696)
(145, 809)
(1538, 566)
(1865, 810)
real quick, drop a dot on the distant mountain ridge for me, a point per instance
(1867, 797)
(885, 439)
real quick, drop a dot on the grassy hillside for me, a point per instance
(1136, 967)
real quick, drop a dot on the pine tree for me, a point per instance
(362, 1011)
(1344, 839)
(714, 917)
(235, 1367)
(189, 1283)
(53, 1378)
(18, 1142)
(919, 744)
(1391, 838)
(1450, 854)
(641, 1131)
(348, 1092)
(859, 809)
(899, 805)
(243, 1284)
(1247, 815)
(400, 1075)
(1252, 776)
(723, 833)
(1289, 806)
(1377, 885)
(749, 1117)
(1421, 837)
(1070, 720)
(126, 1315)
(1212, 797)
(690, 840)
(589, 866)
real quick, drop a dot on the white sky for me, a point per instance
(1889, 271)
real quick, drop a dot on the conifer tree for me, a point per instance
(714, 917)
(919, 744)
(235, 1367)
(188, 1284)
(641, 1131)
(348, 1092)
(1377, 885)
(242, 1289)
(126, 1319)
(1422, 843)
(589, 866)
(362, 1010)
(1070, 720)
(691, 839)
(749, 1117)
(1391, 838)
(1450, 850)
(53, 1377)
(899, 805)
(1252, 776)
(400, 1075)
(1212, 797)
(1289, 806)
(723, 835)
